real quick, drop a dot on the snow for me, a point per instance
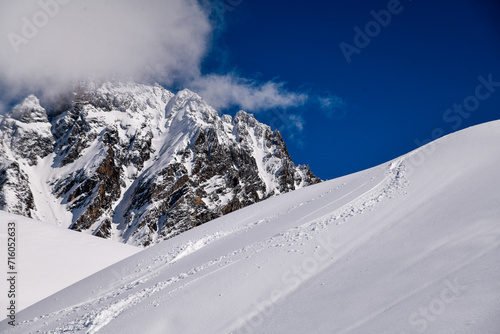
(259, 154)
(50, 258)
(410, 246)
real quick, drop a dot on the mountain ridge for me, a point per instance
(137, 163)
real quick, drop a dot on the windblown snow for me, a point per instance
(410, 246)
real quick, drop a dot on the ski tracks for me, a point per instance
(90, 319)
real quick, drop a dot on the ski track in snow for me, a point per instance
(88, 318)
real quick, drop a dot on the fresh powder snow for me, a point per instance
(50, 258)
(410, 246)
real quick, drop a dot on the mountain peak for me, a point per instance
(187, 104)
(243, 116)
(139, 164)
(29, 111)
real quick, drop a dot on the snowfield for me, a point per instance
(410, 246)
(50, 258)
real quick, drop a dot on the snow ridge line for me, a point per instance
(395, 180)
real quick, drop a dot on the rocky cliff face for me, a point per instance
(137, 163)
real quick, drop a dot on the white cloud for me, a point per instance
(297, 121)
(333, 106)
(225, 91)
(47, 45)
(56, 42)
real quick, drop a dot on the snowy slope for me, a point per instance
(50, 258)
(411, 246)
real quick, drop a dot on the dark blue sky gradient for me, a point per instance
(396, 89)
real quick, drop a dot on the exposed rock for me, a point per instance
(96, 193)
(26, 131)
(15, 193)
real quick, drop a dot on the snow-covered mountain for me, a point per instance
(136, 163)
(410, 246)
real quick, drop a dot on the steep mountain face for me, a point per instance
(137, 163)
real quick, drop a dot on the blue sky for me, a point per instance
(281, 61)
(393, 93)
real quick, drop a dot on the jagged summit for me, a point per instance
(29, 111)
(137, 163)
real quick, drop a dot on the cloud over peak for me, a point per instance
(47, 46)
(61, 41)
(225, 91)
